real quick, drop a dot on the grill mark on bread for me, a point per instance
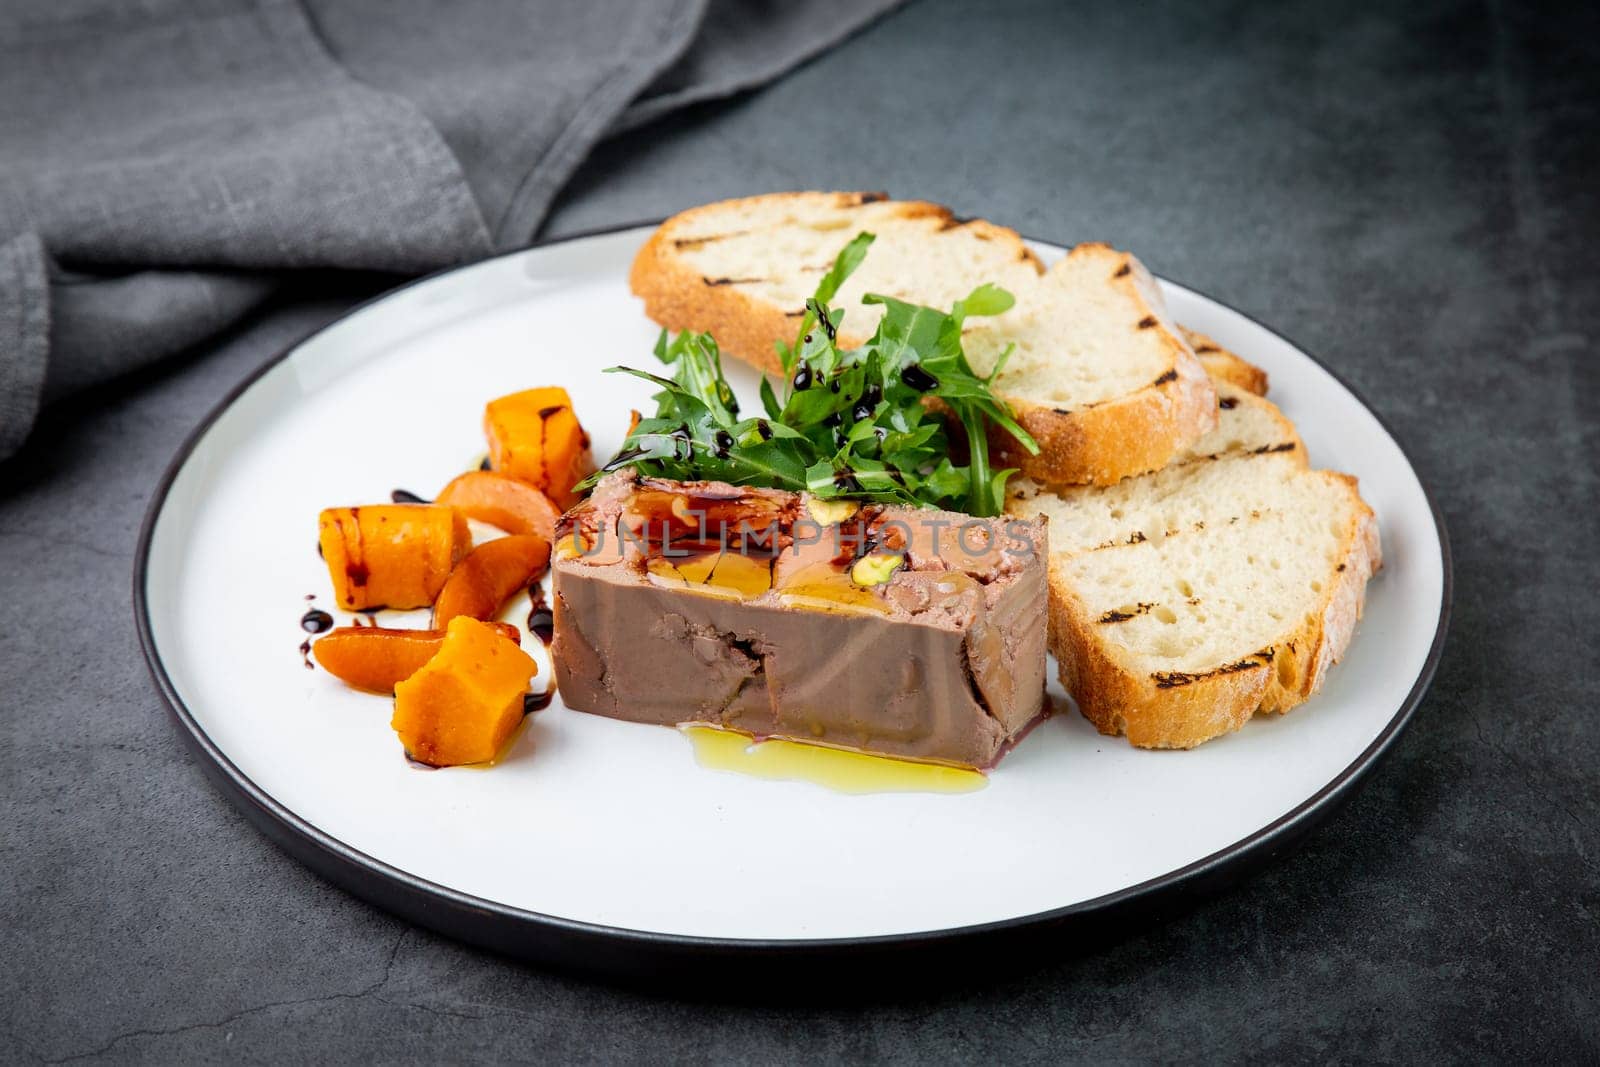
(1201, 350)
(730, 281)
(1138, 536)
(871, 198)
(1123, 271)
(1124, 616)
(681, 243)
(1285, 446)
(1210, 457)
(1228, 403)
(1177, 679)
(1135, 538)
(1170, 376)
(1147, 323)
(1081, 407)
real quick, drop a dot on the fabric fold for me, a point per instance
(24, 336)
(165, 165)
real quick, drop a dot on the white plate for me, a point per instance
(611, 831)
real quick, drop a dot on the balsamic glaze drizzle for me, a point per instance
(917, 378)
(541, 622)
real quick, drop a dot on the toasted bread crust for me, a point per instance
(1223, 365)
(1098, 444)
(1118, 699)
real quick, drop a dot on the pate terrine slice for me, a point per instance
(909, 632)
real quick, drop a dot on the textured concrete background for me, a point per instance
(1412, 196)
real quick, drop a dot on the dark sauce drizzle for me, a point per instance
(314, 621)
(541, 622)
(917, 378)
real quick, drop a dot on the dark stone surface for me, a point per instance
(1410, 195)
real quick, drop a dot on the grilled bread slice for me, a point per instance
(1100, 375)
(1183, 602)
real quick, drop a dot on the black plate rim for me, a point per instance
(552, 938)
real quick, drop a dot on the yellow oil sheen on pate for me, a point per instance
(838, 769)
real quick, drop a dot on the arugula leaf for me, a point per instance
(986, 299)
(843, 422)
(844, 265)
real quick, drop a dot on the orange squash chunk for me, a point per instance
(461, 705)
(377, 659)
(535, 437)
(500, 500)
(391, 555)
(489, 574)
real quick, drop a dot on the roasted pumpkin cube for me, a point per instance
(534, 436)
(391, 555)
(462, 705)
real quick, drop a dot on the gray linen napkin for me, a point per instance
(165, 165)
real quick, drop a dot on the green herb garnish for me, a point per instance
(848, 422)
